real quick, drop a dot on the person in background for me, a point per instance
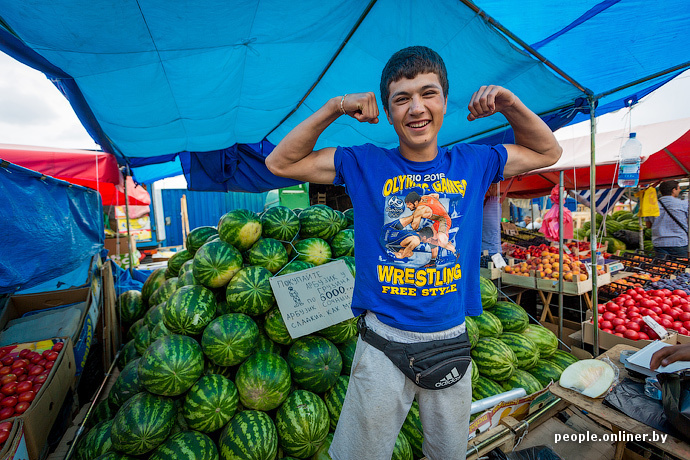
(670, 228)
(536, 225)
(491, 222)
(525, 222)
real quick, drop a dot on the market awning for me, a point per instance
(93, 169)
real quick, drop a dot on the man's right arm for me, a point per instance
(295, 157)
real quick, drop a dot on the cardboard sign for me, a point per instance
(313, 299)
(499, 261)
(656, 327)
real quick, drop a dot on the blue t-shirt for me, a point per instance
(436, 206)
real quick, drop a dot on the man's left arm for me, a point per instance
(535, 145)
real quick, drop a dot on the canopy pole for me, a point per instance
(593, 226)
(561, 205)
(129, 235)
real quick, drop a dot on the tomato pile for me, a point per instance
(21, 377)
(5, 429)
(623, 315)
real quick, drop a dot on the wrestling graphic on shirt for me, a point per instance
(421, 219)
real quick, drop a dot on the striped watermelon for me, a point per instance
(343, 220)
(313, 250)
(263, 381)
(186, 267)
(475, 372)
(142, 423)
(230, 339)
(521, 379)
(334, 398)
(249, 291)
(268, 253)
(102, 412)
(126, 385)
(263, 343)
(340, 332)
(225, 371)
(163, 292)
(295, 266)
(412, 429)
(131, 332)
(315, 363)
(250, 435)
(142, 340)
(347, 352)
(186, 279)
(321, 452)
(198, 237)
(545, 340)
(154, 316)
(402, 449)
(494, 359)
(210, 403)
(512, 316)
(176, 261)
(319, 221)
(488, 292)
(562, 359)
(350, 262)
(131, 306)
(240, 228)
(275, 328)
(114, 456)
(485, 388)
(488, 324)
(472, 330)
(159, 331)
(215, 264)
(302, 423)
(280, 223)
(525, 350)
(186, 445)
(343, 243)
(171, 365)
(189, 310)
(96, 442)
(545, 371)
(127, 354)
(350, 216)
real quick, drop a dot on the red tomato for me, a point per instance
(666, 316)
(683, 331)
(680, 292)
(8, 378)
(22, 377)
(666, 323)
(6, 413)
(642, 335)
(49, 365)
(36, 370)
(633, 326)
(9, 401)
(614, 307)
(601, 308)
(677, 325)
(634, 314)
(9, 389)
(652, 335)
(19, 371)
(58, 346)
(629, 303)
(633, 310)
(618, 321)
(639, 290)
(24, 386)
(684, 316)
(686, 324)
(35, 358)
(40, 378)
(5, 426)
(620, 328)
(608, 331)
(4, 370)
(619, 334)
(19, 363)
(685, 307)
(605, 325)
(632, 335)
(21, 407)
(52, 356)
(24, 352)
(656, 310)
(3, 436)
(7, 360)
(608, 316)
(37, 387)
(27, 396)
(42, 362)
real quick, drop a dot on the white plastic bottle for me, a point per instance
(629, 168)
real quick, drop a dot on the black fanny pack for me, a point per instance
(432, 365)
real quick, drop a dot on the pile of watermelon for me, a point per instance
(209, 370)
(508, 352)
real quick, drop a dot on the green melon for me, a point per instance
(171, 365)
(315, 363)
(189, 310)
(350, 216)
(275, 327)
(475, 372)
(280, 223)
(250, 291)
(321, 452)
(198, 237)
(114, 456)
(186, 445)
(485, 388)
(488, 292)
(334, 398)
(163, 292)
(131, 332)
(494, 359)
(525, 350)
(142, 340)
(159, 331)
(225, 371)
(350, 262)
(131, 306)
(562, 359)
(263, 381)
(250, 435)
(154, 316)
(210, 403)
(313, 250)
(488, 324)
(319, 221)
(340, 332)
(268, 253)
(522, 379)
(545, 371)
(295, 266)
(186, 267)
(215, 264)
(402, 449)
(263, 343)
(176, 261)
(545, 340)
(347, 352)
(143, 423)
(127, 354)
(302, 423)
(343, 243)
(412, 429)
(96, 442)
(240, 228)
(512, 316)
(472, 331)
(126, 385)
(230, 339)
(186, 279)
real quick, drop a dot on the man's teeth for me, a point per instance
(420, 124)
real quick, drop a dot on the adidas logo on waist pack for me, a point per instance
(451, 377)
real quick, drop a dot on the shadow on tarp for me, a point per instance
(125, 281)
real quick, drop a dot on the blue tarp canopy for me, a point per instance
(49, 228)
(193, 84)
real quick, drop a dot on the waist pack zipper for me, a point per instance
(438, 350)
(423, 374)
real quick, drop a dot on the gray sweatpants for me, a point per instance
(379, 397)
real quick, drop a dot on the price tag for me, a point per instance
(313, 299)
(499, 261)
(567, 250)
(615, 267)
(656, 327)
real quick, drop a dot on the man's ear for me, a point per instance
(390, 120)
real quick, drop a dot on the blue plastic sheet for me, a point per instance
(125, 280)
(49, 227)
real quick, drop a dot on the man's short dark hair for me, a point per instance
(410, 62)
(667, 187)
(426, 232)
(412, 197)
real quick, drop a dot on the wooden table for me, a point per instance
(620, 421)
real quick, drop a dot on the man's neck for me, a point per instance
(428, 153)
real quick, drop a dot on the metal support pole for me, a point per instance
(129, 235)
(593, 229)
(561, 205)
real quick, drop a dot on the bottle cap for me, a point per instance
(633, 135)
